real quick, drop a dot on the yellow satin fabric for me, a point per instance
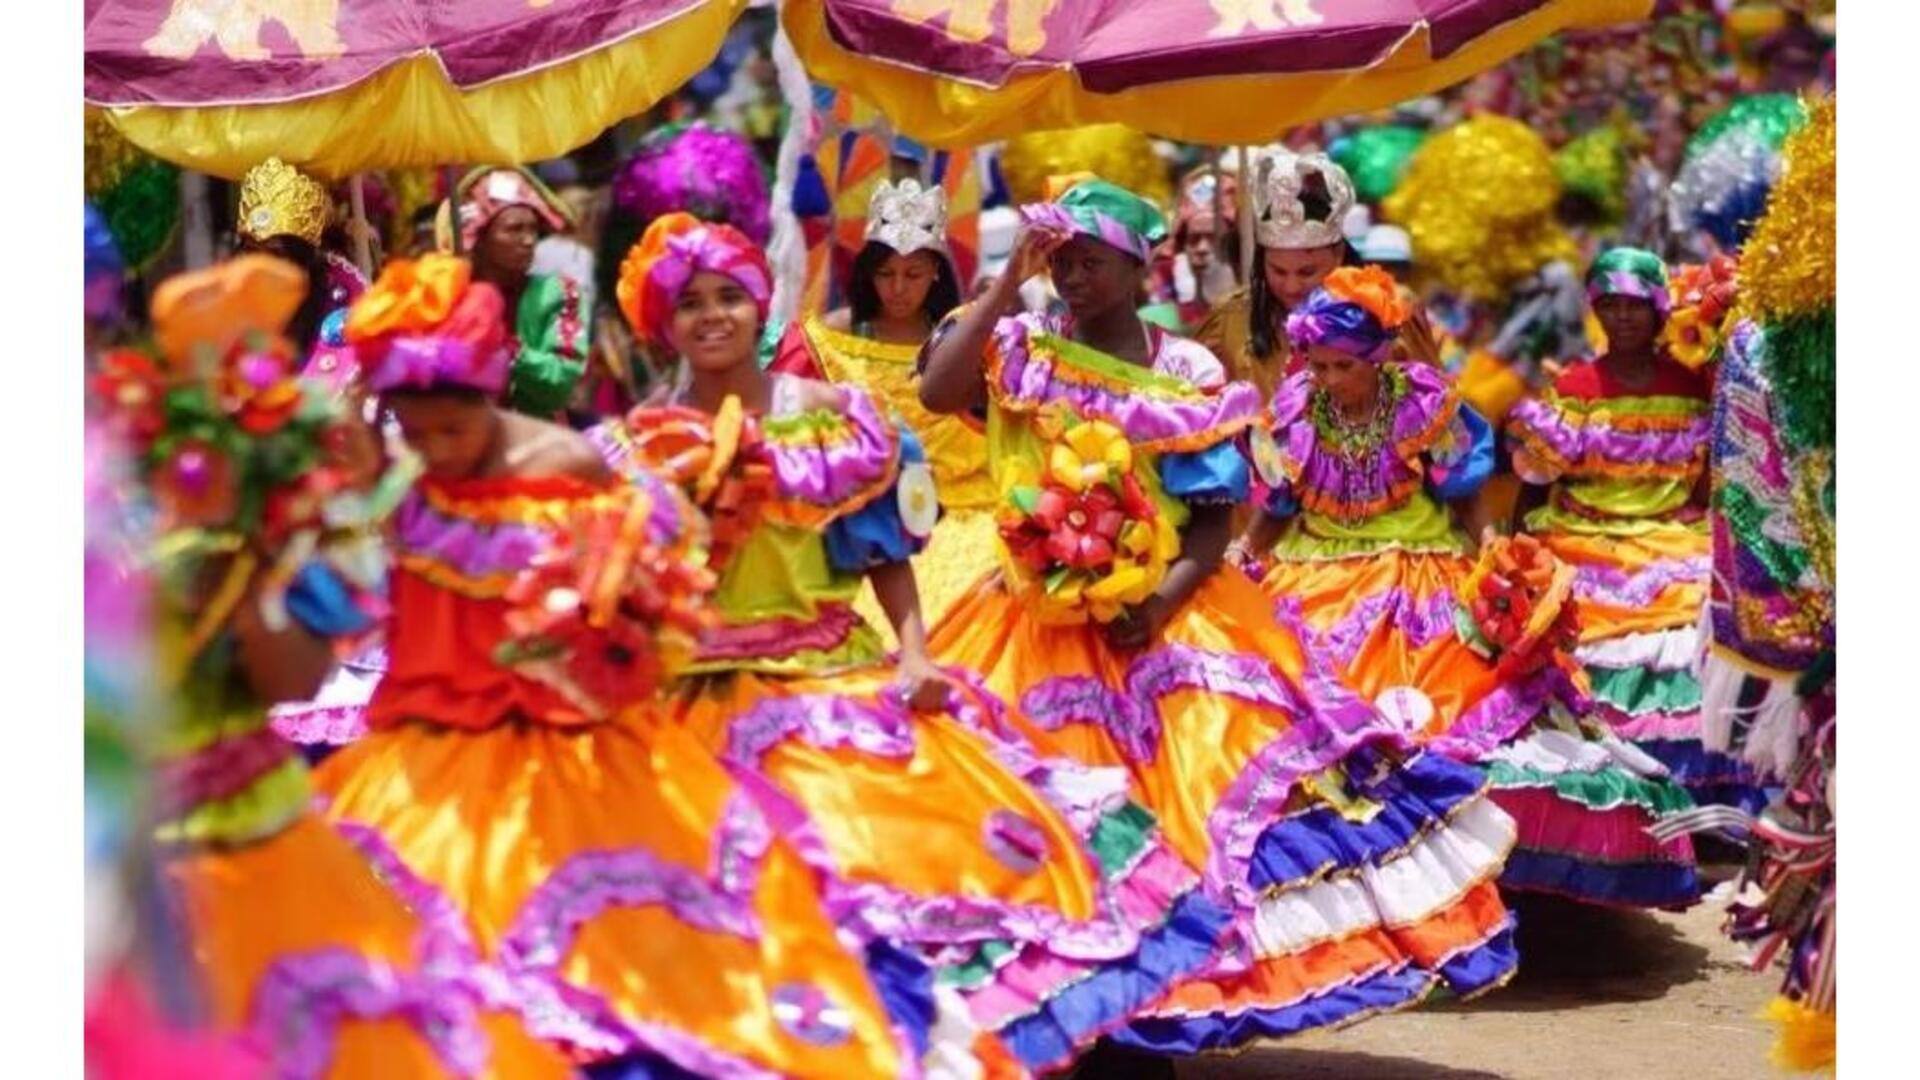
(488, 816)
(948, 113)
(306, 889)
(1675, 607)
(964, 548)
(1206, 739)
(917, 824)
(956, 449)
(409, 115)
(1444, 669)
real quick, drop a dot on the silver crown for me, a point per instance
(907, 217)
(1280, 219)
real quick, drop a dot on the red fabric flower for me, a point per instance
(133, 389)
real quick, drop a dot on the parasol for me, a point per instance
(953, 72)
(344, 86)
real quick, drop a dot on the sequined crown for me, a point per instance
(1281, 220)
(907, 217)
(277, 199)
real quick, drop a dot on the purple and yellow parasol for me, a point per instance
(337, 87)
(957, 72)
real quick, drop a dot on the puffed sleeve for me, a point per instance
(893, 527)
(1215, 476)
(1462, 459)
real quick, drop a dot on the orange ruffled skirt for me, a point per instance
(1348, 877)
(619, 890)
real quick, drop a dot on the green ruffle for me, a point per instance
(978, 968)
(1637, 691)
(1603, 790)
(1120, 836)
(1419, 525)
(268, 805)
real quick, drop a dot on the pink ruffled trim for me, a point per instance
(1328, 482)
(1494, 720)
(780, 637)
(1612, 585)
(330, 725)
(1421, 622)
(836, 468)
(1547, 822)
(300, 1001)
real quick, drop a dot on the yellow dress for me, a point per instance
(585, 864)
(1349, 873)
(961, 549)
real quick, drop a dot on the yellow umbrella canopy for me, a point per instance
(957, 72)
(354, 85)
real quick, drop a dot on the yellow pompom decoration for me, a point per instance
(1478, 200)
(1804, 1038)
(1790, 265)
(1115, 153)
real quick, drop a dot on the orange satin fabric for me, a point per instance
(1205, 740)
(882, 818)
(1451, 675)
(488, 816)
(1675, 607)
(303, 890)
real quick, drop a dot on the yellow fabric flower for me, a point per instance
(1094, 452)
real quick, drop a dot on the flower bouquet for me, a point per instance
(1082, 537)
(1517, 607)
(1703, 296)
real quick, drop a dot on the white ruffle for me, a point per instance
(950, 1041)
(1409, 888)
(1556, 752)
(1660, 650)
(1774, 727)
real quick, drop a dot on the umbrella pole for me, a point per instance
(362, 248)
(1243, 198)
(1219, 219)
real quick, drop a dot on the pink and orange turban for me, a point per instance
(674, 249)
(487, 192)
(427, 324)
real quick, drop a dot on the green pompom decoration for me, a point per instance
(1800, 365)
(1594, 167)
(1772, 117)
(143, 211)
(1376, 157)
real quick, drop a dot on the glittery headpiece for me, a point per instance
(1280, 177)
(907, 217)
(277, 199)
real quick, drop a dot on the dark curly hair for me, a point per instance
(1261, 338)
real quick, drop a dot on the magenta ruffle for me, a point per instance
(484, 549)
(1420, 622)
(1620, 588)
(300, 1001)
(1581, 439)
(1131, 716)
(327, 725)
(1548, 822)
(1026, 382)
(218, 771)
(421, 363)
(835, 463)
(825, 632)
(1324, 481)
(827, 721)
(1496, 719)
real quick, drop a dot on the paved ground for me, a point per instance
(1600, 994)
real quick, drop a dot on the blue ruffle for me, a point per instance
(1468, 470)
(1485, 965)
(1184, 945)
(1194, 1034)
(1712, 778)
(1653, 885)
(905, 985)
(1427, 789)
(877, 535)
(1218, 474)
(637, 1067)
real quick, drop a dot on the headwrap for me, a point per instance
(277, 199)
(1625, 271)
(487, 192)
(674, 249)
(1106, 212)
(427, 324)
(1357, 310)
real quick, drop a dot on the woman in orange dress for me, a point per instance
(617, 888)
(1358, 549)
(316, 962)
(1025, 882)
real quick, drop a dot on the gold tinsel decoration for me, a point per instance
(1478, 200)
(1790, 265)
(1114, 152)
(106, 154)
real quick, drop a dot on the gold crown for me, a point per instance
(277, 199)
